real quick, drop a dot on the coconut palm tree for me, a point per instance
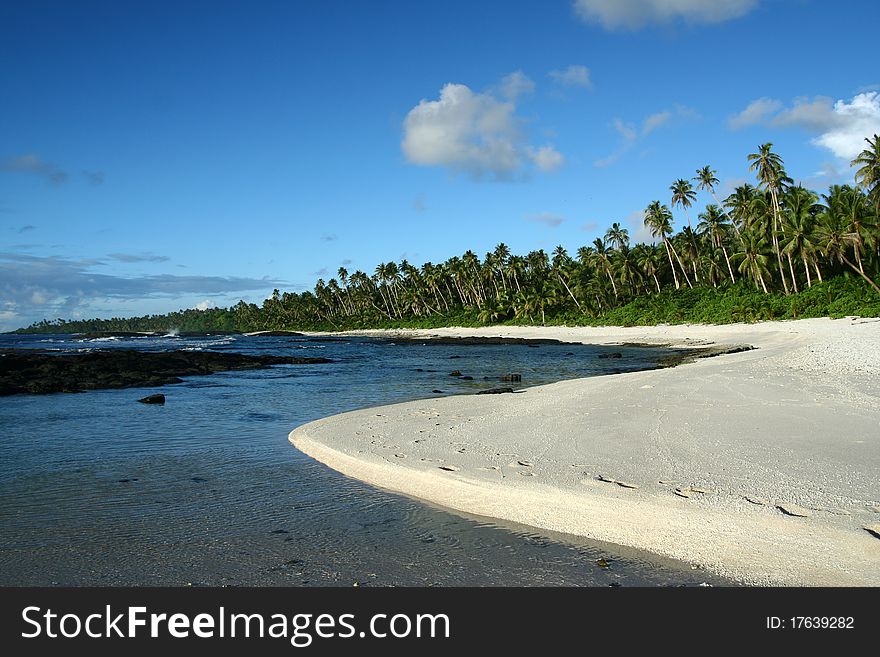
(713, 226)
(616, 236)
(648, 260)
(707, 181)
(771, 175)
(658, 219)
(835, 240)
(752, 259)
(868, 174)
(683, 194)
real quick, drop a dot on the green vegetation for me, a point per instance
(775, 251)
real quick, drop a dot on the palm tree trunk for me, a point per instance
(729, 268)
(818, 271)
(860, 273)
(683, 270)
(807, 270)
(776, 238)
(671, 265)
(567, 289)
(656, 282)
(791, 269)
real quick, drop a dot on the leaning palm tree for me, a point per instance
(771, 175)
(683, 194)
(658, 219)
(868, 174)
(835, 240)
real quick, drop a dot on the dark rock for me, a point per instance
(451, 357)
(494, 391)
(466, 378)
(276, 334)
(24, 371)
(455, 373)
(512, 378)
(198, 480)
(437, 392)
(473, 340)
(613, 354)
(153, 399)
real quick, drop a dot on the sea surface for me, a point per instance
(97, 489)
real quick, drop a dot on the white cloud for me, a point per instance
(546, 158)
(205, 305)
(515, 85)
(633, 14)
(630, 133)
(639, 233)
(855, 121)
(469, 132)
(654, 121)
(840, 126)
(756, 112)
(547, 218)
(573, 76)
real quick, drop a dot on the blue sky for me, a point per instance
(161, 155)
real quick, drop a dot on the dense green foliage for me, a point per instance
(774, 251)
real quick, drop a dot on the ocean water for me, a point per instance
(97, 489)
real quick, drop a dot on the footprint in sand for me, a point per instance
(682, 492)
(449, 468)
(873, 530)
(526, 464)
(790, 509)
(622, 484)
(490, 467)
(400, 456)
(760, 501)
(526, 473)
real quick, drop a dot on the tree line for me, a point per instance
(769, 250)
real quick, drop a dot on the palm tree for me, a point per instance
(753, 261)
(868, 174)
(771, 175)
(683, 194)
(706, 180)
(835, 240)
(658, 219)
(713, 226)
(616, 236)
(648, 260)
(560, 266)
(602, 259)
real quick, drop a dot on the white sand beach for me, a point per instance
(698, 461)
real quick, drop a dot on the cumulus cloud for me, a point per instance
(575, 75)
(515, 85)
(329, 238)
(25, 229)
(205, 305)
(547, 218)
(32, 164)
(840, 126)
(634, 14)
(546, 158)
(37, 287)
(464, 131)
(346, 262)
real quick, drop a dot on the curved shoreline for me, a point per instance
(794, 422)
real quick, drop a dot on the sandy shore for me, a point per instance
(701, 457)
